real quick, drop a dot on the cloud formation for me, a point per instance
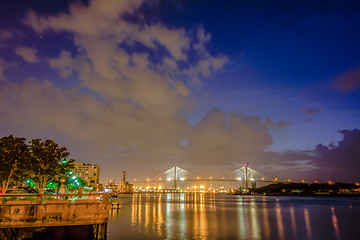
(100, 33)
(283, 124)
(342, 160)
(225, 139)
(311, 111)
(133, 80)
(279, 124)
(5, 36)
(130, 81)
(348, 81)
(28, 54)
(3, 66)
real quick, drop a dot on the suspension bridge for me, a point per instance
(246, 176)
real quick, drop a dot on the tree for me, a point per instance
(47, 162)
(14, 158)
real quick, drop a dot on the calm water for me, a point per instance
(210, 216)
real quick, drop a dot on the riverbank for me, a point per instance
(304, 189)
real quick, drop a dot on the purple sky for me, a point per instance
(207, 85)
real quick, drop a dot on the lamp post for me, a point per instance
(62, 189)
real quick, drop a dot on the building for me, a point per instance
(88, 173)
(111, 186)
(124, 186)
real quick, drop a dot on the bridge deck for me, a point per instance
(205, 180)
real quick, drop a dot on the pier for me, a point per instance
(39, 211)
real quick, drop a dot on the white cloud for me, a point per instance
(28, 54)
(64, 64)
(71, 113)
(227, 138)
(126, 98)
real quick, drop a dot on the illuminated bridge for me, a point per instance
(245, 176)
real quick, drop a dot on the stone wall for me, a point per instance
(15, 214)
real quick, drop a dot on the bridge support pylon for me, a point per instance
(175, 178)
(246, 177)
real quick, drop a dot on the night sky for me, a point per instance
(207, 85)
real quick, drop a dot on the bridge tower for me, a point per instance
(246, 177)
(175, 178)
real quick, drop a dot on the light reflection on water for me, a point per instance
(293, 221)
(214, 216)
(307, 223)
(279, 221)
(335, 223)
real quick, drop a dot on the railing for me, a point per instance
(39, 198)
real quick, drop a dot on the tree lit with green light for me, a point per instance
(72, 182)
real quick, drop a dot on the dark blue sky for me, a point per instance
(285, 50)
(284, 74)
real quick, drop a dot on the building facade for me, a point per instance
(124, 186)
(88, 173)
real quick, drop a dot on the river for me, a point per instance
(217, 216)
